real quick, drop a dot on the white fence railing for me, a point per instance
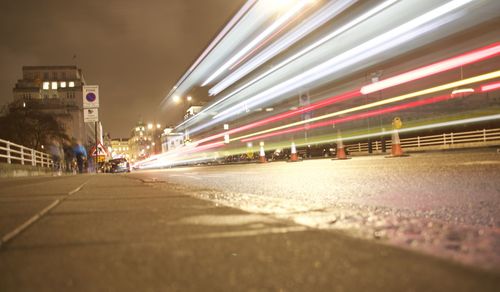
(17, 154)
(484, 137)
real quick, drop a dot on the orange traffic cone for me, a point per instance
(262, 154)
(396, 149)
(293, 155)
(341, 155)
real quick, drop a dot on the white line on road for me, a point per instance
(9, 236)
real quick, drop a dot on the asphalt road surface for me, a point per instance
(443, 203)
(149, 231)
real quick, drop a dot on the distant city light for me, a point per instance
(150, 126)
(158, 126)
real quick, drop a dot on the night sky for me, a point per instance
(134, 50)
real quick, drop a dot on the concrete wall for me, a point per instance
(18, 170)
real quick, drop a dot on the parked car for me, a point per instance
(105, 167)
(119, 165)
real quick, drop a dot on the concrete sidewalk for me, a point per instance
(120, 234)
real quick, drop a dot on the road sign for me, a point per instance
(100, 150)
(90, 96)
(90, 115)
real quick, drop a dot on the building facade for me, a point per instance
(56, 90)
(119, 148)
(171, 140)
(145, 140)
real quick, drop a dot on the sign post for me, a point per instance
(90, 111)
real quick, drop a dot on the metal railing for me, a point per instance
(18, 154)
(478, 138)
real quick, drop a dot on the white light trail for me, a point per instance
(367, 49)
(268, 31)
(316, 44)
(326, 13)
(217, 39)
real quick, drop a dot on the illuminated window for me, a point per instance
(71, 84)
(63, 84)
(46, 85)
(54, 85)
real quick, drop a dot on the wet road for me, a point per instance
(442, 203)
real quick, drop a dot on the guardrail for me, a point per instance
(478, 138)
(18, 154)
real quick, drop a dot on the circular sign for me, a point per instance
(91, 97)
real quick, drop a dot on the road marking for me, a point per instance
(9, 236)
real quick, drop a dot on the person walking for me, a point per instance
(80, 154)
(57, 154)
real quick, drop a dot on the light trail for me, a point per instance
(378, 44)
(317, 105)
(268, 31)
(352, 118)
(456, 62)
(269, 38)
(346, 136)
(377, 9)
(490, 87)
(235, 19)
(331, 9)
(427, 101)
(439, 67)
(435, 89)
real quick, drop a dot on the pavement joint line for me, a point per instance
(9, 236)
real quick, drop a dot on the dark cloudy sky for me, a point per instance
(134, 50)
